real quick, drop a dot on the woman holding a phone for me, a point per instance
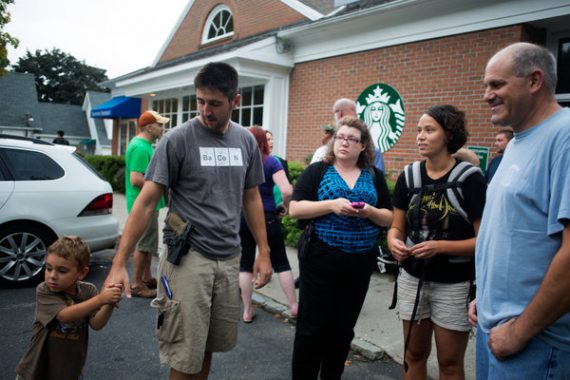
(346, 201)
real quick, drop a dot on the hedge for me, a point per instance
(112, 168)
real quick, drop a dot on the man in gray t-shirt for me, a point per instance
(207, 173)
(211, 167)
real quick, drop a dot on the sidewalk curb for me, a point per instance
(368, 350)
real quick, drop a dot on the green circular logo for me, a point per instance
(382, 109)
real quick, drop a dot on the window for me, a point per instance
(86, 163)
(220, 24)
(189, 107)
(183, 108)
(31, 166)
(250, 108)
(167, 108)
(127, 130)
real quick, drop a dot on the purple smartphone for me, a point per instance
(357, 204)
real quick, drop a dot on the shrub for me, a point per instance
(295, 170)
(112, 168)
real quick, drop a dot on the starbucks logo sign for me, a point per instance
(382, 109)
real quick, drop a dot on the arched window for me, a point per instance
(220, 24)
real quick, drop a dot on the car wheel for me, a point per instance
(23, 251)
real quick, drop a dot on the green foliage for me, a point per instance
(112, 168)
(295, 170)
(291, 233)
(60, 77)
(5, 38)
(391, 185)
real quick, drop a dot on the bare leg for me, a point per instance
(147, 275)
(139, 288)
(418, 350)
(202, 375)
(288, 286)
(139, 262)
(246, 286)
(451, 346)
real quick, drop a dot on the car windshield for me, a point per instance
(88, 165)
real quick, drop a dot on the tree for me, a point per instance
(5, 38)
(60, 77)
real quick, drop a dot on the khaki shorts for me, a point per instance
(445, 304)
(149, 239)
(202, 315)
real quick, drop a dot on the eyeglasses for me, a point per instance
(350, 140)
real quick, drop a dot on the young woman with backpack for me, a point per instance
(438, 204)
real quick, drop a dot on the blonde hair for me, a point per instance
(71, 248)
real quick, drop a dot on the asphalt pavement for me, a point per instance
(378, 332)
(126, 348)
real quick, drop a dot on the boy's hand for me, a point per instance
(111, 294)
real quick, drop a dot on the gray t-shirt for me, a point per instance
(207, 173)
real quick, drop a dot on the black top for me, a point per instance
(439, 220)
(61, 141)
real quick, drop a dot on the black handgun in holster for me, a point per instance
(179, 244)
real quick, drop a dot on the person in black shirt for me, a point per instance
(433, 238)
(60, 139)
(347, 202)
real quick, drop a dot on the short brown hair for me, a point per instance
(508, 132)
(71, 248)
(366, 157)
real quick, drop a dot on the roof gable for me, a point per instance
(95, 98)
(250, 18)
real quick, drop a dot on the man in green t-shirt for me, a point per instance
(137, 158)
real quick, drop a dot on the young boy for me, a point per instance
(64, 307)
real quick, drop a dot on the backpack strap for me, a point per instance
(455, 180)
(413, 176)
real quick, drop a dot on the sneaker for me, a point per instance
(143, 291)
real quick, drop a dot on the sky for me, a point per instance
(119, 36)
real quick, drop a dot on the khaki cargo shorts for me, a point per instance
(149, 239)
(204, 311)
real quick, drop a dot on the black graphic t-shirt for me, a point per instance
(437, 219)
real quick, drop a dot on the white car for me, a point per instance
(47, 191)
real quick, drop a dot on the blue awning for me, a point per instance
(119, 107)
